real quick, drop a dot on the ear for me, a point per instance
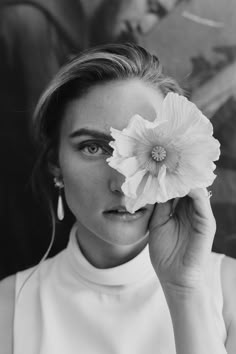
(53, 164)
(54, 170)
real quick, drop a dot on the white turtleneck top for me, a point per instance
(69, 307)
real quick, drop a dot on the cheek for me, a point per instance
(85, 185)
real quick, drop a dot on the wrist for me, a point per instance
(177, 294)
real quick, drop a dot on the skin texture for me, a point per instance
(91, 185)
(179, 245)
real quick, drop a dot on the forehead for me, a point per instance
(112, 105)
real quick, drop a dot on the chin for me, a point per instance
(125, 236)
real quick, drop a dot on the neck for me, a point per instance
(107, 255)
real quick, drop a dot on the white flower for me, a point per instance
(166, 158)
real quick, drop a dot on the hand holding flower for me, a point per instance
(180, 245)
(171, 157)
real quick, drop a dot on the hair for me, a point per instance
(95, 66)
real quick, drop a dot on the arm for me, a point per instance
(7, 300)
(229, 295)
(193, 323)
(180, 247)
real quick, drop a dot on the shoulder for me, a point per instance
(228, 270)
(228, 278)
(7, 302)
(7, 295)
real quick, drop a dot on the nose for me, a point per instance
(115, 181)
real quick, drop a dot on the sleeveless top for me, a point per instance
(69, 306)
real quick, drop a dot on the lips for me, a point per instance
(121, 211)
(117, 211)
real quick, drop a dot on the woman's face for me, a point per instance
(92, 188)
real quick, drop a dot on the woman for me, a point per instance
(104, 293)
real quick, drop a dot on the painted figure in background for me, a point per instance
(213, 84)
(36, 38)
(197, 45)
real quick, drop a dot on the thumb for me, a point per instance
(161, 214)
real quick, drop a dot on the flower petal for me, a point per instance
(138, 128)
(151, 190)
(124, 145)
(133, 184)
(128, 167)
(133, 204)
(185, 134)
(184, 117)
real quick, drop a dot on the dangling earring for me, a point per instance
(60, 208)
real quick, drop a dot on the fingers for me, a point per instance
(201, 201)
(174, 205)
(161, 214)
(164, 211)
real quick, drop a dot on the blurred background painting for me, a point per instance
(197, 45)
(195, 41)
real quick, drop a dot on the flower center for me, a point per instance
(158, 153)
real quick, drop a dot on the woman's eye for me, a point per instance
(93, 148)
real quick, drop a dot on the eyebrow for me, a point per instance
(90, 132)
